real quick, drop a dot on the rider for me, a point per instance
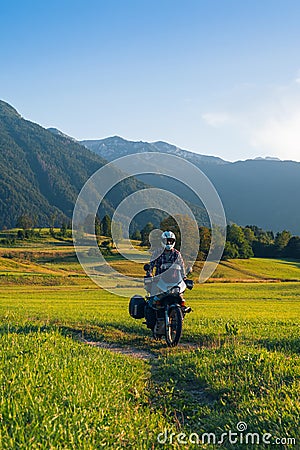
(169, 255)
(162, 260)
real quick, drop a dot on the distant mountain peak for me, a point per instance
(267, 158)
(116, 138)
(60, 133)
(115, 147)
(7, 110)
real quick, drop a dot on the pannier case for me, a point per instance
(137, 307)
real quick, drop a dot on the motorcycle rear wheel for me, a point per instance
(173, 332)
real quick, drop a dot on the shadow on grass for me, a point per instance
(180, 384)
(62, 243)
(69, 258)
(290, 262)
(290, 345)
(136, 334)
(7, 328)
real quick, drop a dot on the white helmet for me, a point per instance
(168, 240)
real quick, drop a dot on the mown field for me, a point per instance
(238, 361)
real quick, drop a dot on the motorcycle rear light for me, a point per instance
(182, 303)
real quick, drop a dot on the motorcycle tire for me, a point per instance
(173, 333)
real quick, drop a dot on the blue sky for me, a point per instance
(216, 77)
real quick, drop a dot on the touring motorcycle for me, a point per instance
(164, 306)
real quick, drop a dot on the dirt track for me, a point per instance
(133, 351)
(129, 351)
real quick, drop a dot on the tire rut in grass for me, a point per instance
(133, 351)
(128, 351)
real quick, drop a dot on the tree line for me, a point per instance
(91, 225)
(241, 242)
(245, 242)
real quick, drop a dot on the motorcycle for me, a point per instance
(164, 306)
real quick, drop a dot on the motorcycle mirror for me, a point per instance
(189, 284)
(146, 267)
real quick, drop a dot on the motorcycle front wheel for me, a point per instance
(173, 331)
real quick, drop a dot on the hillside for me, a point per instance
(42, 172)
(261, 191)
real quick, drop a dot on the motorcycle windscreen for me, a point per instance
(170, 277)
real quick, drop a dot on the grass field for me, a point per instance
(238, 361)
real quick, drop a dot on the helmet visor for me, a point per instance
(170, 241)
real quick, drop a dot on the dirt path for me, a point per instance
(133, 351)
(129, 351)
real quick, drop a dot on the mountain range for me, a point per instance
(262, 191)
(42, 172)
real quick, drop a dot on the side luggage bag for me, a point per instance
(137, 307)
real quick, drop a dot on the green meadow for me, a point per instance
(238, 361)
